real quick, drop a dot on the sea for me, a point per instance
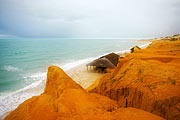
(24, 62)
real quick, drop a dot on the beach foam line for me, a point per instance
(145, 45)
(11, 68)
(74, 64)
(10, 101)
(35, 76)
(129, 50)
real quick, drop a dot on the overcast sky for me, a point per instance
(90, 18)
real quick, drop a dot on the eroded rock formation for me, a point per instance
(148, 79)
(63, 99)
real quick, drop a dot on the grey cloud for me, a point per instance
(90, 18)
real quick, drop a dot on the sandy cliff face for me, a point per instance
(148, 79)
(63, 99)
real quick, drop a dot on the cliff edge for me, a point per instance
(148, 79)
(63, 99)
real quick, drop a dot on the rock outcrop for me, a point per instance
(63, 99)
(148, 79)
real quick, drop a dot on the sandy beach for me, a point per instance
(88, 79)
(85, 77)
(79, 74)
(82, 76)
(145, 79)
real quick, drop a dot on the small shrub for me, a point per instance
(173, 82)
(142, 79)
(113, 80)
(154, 86)
(140, 71)
(125, 71)
(173, 39)
(112, 77)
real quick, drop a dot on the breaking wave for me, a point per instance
(10, 68)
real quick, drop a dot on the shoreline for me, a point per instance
(82, 76)
(150, 74)
(78, 73)
(87, 78)
(140, 77)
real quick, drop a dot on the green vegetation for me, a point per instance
(154, 86)
(142, 79)
(173, 82)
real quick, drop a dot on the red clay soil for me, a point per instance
(63, 99)
(148, 79)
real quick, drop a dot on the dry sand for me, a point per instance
(82, 76)
(85, 77)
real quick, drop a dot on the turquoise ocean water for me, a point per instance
(24, 62)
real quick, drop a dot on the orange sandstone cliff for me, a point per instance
(148, 79)
(63, 99)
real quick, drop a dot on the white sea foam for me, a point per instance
(122, 52)
(10, 68)
(145, 45)
(73, 64)
(10, 101)
(35, 76)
